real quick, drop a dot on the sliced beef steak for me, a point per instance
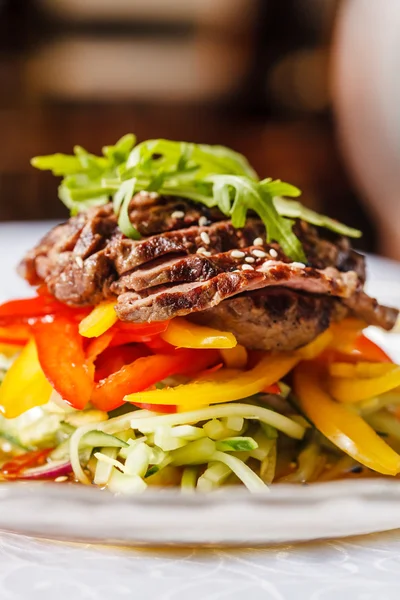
(193, 267)
(179, 300)
(369, 310)
(273, 319)
(152, 214)
(220, 237)
(191, 259)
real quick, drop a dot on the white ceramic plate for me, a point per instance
(287, 513)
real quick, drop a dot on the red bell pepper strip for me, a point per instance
(27, 311)
(370, 351)
(61, 356)
(272, 389)
(98, 345)
(26, 308)
(157, 408)
(15, 334)
(145, 372)
(13, 468)
(113, 359)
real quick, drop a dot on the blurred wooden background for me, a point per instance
(251, 74)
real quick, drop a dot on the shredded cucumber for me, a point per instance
(194, 453)
(164, 439)
(247, 411)
(237, 444)
(188, 481)
(138, 459)
(79, 418)
(188, 432)
(242, 471)
(103, 469)
(233, 423)
(214, 476)
(121, 483)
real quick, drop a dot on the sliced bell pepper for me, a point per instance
(113, 359)
(363, 370)
(102, 317)
(351, 390)
(272, 389)
(158, 408)
(61, 355)
(242, 385)
(141, 332)
(145, 372)
(184, 334)
(24, 385)
(9, 349)
(15, 334)
(370, 351)
(98, 345)
(27, 308)
(235, 358)
(345, 429)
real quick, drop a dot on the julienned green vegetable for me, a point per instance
(214, 176)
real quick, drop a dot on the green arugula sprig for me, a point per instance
(214, 176)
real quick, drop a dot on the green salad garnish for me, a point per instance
(214, 176)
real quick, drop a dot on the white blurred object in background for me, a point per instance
(366, 95)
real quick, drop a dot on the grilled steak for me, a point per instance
(273, 319)
(179, 300)
(192, 260)
(193, 267)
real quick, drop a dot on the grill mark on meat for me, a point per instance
(194, 267)
(151, 215)
(88, 259)
(183, 299)
(273, 318)
(128, 254)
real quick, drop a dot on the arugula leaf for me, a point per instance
(296, 210)
(250, 195)
(214, 176)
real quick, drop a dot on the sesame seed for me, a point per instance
(205, 237)
(153, 195)
(299, 265)
(259, 253)
(273, 253)
(258, 242)
(237, 254)
(203, 221)
(178, 214)
(250, 259)
(203, 251)
(61, 479)
(79, 261)
(247, 268)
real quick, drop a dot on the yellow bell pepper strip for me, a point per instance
(363, 370)
(102, 317)
(345, 429)
(24, 385)
(351, 390)
(317, 346)
(345, 334)
(234, 358)
(184, 334)
(9, 349)
(244, 384)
